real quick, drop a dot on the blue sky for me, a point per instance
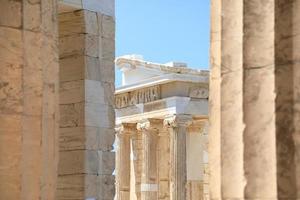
(163, 31)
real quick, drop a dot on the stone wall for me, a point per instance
(87, 105)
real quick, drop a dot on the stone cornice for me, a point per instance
(133, 63)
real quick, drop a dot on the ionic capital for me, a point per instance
(178, 120)
(126, 129)
(148, 124)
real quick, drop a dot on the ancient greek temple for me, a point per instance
(59, 107)
(162, 127)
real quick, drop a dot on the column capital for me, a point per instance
(150, 124)
(125, 129)
(178, 120)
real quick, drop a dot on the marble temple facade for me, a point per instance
(161, 117)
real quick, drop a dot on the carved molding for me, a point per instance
(178, 120)
(126, 129)
(138, 96)
(199, 92)
(150, 124)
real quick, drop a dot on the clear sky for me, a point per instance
(163, 31)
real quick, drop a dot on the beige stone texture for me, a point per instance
(85, 44)
(80, 21)
(29, 100)
(124, 132)
(177, 126)
(87, 110)
(269, 89)
(215, 102)
(149, 178)
(194, 190)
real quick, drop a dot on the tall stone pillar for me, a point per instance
(178, 128)
(164, 165)
(149, 185)
(28, 99)
(86, 47)
(259, 45)
(124, 132)
(215, 101)
(137, 160)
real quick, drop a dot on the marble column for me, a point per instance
(215, 101)
(264, 35)
(124, 133)
(28, 99)
(149, 184)
(178, 129)
(164, 163)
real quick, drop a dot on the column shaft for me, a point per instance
(232, 126)
(137, 147)
(259, 99)
(29, 99)
(123, 166)
(149, 185)
(215, 102)
(178, 129)
(164, 164)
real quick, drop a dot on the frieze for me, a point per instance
(144, 95)
(199, 92)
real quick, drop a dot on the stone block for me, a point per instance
(72, 92)
(72, 115)
(80, 21)
(107, 26)
(89, 138)
(10, 88)
(99, 115)
(32, 16)
(82, 44)
(11, 49)
(77, 187)
(11, 13)
(107, 71)
(10, 159)
(92, 69)
(79, 138)
(107, 139)
(107, 48)
(106, 187)
(106, 7)
(94, 92)
(106, 162)
(72, 68)
(78, 162)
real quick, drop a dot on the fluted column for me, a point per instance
(149, 186)
(178, 128)
(164, 164)
(28, 99)
(123, 160)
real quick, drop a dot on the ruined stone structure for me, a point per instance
(161, 117)
(57, 112)
(254, 100)
(56, 62)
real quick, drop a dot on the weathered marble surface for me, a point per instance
(28, 100)
(254, 59)
(87, 105)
